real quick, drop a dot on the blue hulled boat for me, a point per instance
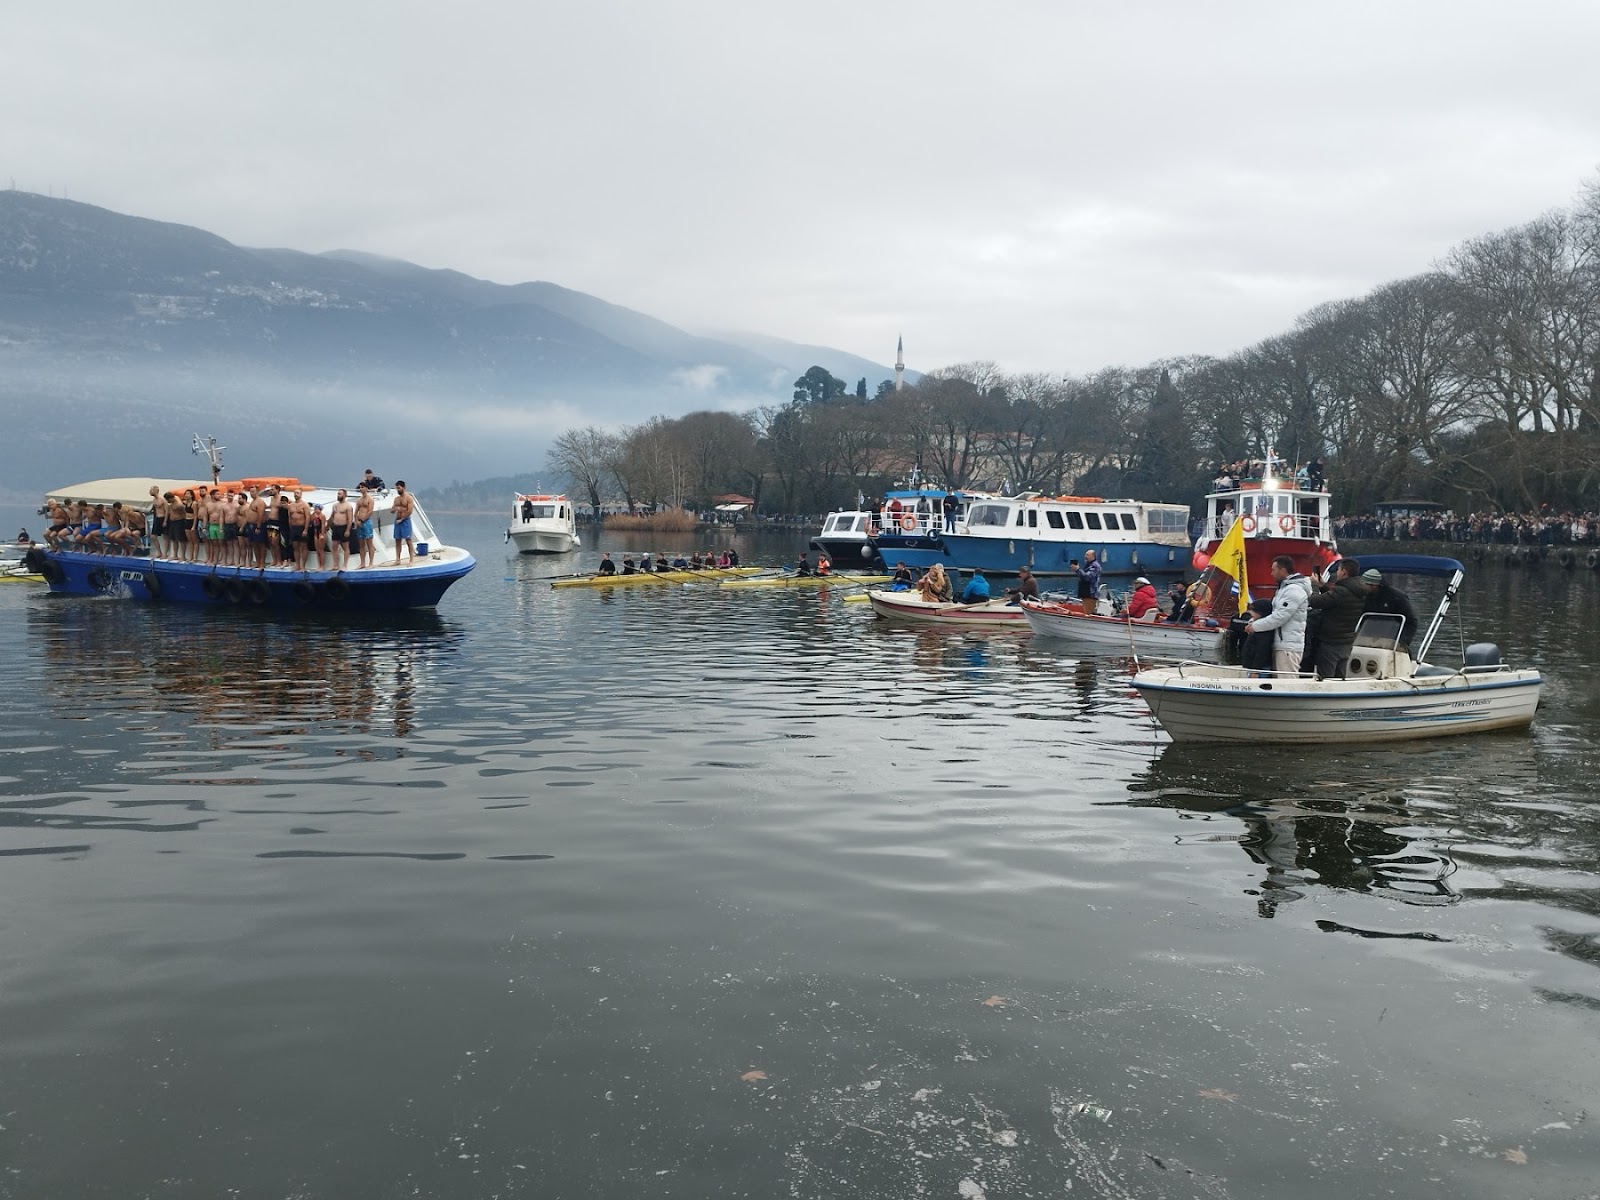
(418, 583)
(998, 534)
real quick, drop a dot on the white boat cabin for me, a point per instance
(1075, 519)
(1270, 507)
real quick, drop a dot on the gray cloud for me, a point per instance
(1051, 186)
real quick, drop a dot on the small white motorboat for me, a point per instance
(844, 539)
(1389, 694)
(909, 606)
(1050, 618)
(543, 524)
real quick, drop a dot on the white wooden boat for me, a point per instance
(1389, 695)
(543, 524)
(909, 606)
(1049, 618)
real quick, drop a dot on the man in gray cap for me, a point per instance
(1386, 598)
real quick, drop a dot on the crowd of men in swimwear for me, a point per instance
(239, 527)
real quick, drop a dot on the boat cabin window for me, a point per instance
(1053, 518)
(1033, 518)
(1128, 522)
(988, 514)
(533, 512)
(1171, 519)
(1093, 518)
(1075, 520)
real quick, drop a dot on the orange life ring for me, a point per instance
(1286, 523)
(908, 522)
(1247, 523)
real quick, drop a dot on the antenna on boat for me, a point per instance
(213, 453)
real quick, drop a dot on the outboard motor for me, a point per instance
(1481, 656)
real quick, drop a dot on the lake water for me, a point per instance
(678, 892)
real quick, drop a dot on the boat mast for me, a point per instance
(213, 453)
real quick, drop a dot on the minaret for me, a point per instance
(900, 363)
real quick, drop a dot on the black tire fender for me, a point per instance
(211, 587)
(44, 566)
(99, 579)
(256, 592)
(304, 591)
(233, 590)
(336, 589)
(152, 584)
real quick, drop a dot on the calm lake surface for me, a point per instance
(672, 892)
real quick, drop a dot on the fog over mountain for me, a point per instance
(120, 337)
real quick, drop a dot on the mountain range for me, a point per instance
(120, 337)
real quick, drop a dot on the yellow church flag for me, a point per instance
(1229, 559)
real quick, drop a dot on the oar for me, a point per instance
(855, 586)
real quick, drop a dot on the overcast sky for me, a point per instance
(1054, 186)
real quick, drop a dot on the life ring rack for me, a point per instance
(1286, 524)
(1247, 523)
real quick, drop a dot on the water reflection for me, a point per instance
(1370, 842)
(235, 669)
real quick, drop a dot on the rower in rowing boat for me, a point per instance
(607, 567)
(802, 564)
(627, 565)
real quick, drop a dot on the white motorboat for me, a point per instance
(909, 606)
(1388, 694)
(1050, 618)
(542, 524)
(843, 539)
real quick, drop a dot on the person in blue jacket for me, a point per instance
(977, 589)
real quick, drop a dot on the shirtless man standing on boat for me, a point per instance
(403, 504)
(340, 526)
(299, 518)
(363, 528)
(255, 529)
(211, 520)
(158, 523)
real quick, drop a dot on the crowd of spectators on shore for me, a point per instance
(1539, 527)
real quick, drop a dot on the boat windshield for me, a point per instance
(534, 512)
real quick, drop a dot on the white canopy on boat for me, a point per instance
(132, 492)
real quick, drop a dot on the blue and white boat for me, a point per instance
(998, 534)
(387, 585)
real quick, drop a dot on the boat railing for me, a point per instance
(1303, 525)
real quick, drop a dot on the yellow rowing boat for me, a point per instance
(705, 574)
(792, 580)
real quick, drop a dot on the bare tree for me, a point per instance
(582, 458)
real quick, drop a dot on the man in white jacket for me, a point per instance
(1288, 616)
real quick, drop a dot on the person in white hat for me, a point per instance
(1143, 601)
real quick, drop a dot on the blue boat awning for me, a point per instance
(1411, 564)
